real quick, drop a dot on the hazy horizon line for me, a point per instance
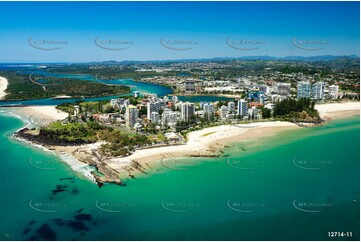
(191, 59)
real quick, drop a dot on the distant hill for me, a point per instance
(268, 58)
(265, 57)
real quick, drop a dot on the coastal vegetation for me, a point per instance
(21, 87)
(110, 72)
(119, 144)
(296, 110)
(230, 68)
(115, 143)
(341, 71)
(72, 133)
(92, 107)
(100, 106)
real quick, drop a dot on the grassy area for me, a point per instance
(117, 142)
(120, 144)
(157, 138)
(71, 133)
(92, 107)
(59, 125)
(110, 72)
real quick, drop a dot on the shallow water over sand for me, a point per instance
(298, 185)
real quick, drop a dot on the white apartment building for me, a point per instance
(303, 89)
(224, 112)
(187, 110)
(155, 117)
(131, 116)
(231, 107)
(318, 90)
(333, 91)
(242, 107)
(208, 109)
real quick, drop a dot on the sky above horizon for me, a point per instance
(101, 31)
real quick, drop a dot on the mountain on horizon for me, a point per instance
(269, 58)
(265, 57)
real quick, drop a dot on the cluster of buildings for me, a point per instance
(234, 77)
(165, 112)
(262, 89)
(316, 91)
(276, 91)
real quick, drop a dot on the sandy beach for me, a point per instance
(202, 143)
(206, 142)
(3, 86)
(40, 115)
(338, 110)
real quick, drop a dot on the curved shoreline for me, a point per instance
(74, 164)
(202, 143)
(47, 114)
(208, 141)
(111, 96)
(338, 110)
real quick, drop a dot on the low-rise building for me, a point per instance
(253, 113)
(172, 137)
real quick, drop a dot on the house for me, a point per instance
(172, 137)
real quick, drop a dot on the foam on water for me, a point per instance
(77, 165)
(74, 163)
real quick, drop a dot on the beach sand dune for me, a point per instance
(3, 86)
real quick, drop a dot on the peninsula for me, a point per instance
(147, 153)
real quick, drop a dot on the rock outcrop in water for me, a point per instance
(103, 174)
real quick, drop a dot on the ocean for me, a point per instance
(298, 185)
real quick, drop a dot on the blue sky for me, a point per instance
(252, 28)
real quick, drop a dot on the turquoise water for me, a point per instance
(142, 87)
(292, 186)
